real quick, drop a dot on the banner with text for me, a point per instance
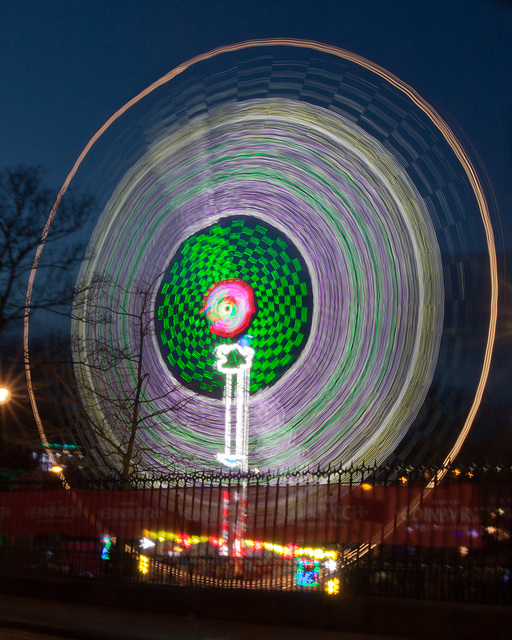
(311, 514)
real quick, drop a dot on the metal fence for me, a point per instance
(419, 533)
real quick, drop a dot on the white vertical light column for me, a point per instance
(227, 419)
(240, 460)
(242, 375)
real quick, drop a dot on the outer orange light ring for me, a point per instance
(429, 111)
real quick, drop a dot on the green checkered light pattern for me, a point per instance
(242, 248)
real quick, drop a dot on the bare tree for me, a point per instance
(106, 380)
(25, 203)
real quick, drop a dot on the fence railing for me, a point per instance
(421, 533)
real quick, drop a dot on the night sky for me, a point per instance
(67, 66)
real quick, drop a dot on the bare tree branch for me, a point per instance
(104, 377)
(24, 207)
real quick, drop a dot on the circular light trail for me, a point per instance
(370, 251)
(358, 176)
(235, 250)
(229, 307)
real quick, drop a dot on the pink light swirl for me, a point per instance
(229, 307)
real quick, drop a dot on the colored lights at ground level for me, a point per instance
(56, 445)
(107, 545)
(146, 544)
(287, 551)
(308, 572)
(333, 586)
(308, 569)
(144, 564)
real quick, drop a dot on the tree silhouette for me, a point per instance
(25, 203)
(103, 382)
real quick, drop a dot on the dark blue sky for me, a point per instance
(67, 66)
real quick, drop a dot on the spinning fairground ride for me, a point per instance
(319, 259)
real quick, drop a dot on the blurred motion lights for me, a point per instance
(303, 193)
